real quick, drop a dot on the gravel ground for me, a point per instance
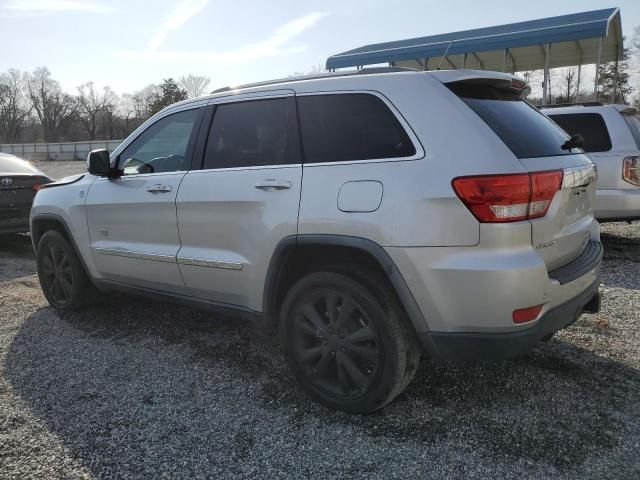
(58, 170)
(132, 388)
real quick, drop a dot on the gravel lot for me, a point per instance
(132, 388)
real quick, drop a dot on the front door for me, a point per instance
(233, 212)
(132, 219)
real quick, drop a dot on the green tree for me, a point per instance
(170, 92)
(610, 90)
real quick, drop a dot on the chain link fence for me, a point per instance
(57, 151)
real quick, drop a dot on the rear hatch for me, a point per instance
(561, 222)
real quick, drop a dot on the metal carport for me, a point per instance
(569, 40)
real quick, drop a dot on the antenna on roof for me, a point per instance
(445, 54)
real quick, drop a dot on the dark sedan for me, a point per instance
(19, 182)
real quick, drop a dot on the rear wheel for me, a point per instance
(349, 347)
(62, 277)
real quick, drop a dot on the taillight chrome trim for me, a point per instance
(575, 177)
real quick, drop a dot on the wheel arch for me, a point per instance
(362, 249)
(43, 222)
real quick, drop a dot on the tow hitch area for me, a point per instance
(594, 304)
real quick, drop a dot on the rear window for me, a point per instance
(522, 128)
(634, 125)
(350, 126)
(590, 125)
(11, 164)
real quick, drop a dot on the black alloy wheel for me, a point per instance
(335, 343)
(347, 340)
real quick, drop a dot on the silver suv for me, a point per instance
(612, 140)
(369, 215)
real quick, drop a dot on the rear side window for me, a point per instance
(522, 128)
(247, 134)
(590, 125)
(350, 126)
(634, 125)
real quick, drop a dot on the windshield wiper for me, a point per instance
(576, 141)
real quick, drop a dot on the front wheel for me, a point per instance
(350, 347)
(62, 277)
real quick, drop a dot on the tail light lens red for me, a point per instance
(631, 170)
(37, 186)
(508, 197)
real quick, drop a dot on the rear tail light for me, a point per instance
(525, 315)
(631, 170)
(509, 197)
(37, 186)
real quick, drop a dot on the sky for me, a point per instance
(127, 44)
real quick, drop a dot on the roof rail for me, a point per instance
(577, 104)
(347, 73)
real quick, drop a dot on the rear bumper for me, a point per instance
(445, 346)
(620, 204)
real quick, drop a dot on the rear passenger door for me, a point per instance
(234, 210)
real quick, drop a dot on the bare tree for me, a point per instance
(53, 106)
(14, 108)
(142, 100)
(315, 70)
(92, 104)
(195, 85)
(567, 85)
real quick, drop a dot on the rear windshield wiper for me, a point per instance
(576, 141)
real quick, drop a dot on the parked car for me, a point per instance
(19, 182)
(368, 214)
(612, 140)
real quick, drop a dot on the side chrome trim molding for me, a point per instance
(118, 252)
(198, 262)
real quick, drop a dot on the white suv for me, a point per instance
(369, 215)
(612, 139)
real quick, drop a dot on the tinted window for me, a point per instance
(11, 164)
(634, 125)
(343, 127)
(248, 134)
(590, 125)
(162, 147)
(526, 131)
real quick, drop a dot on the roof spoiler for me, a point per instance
(502, 81)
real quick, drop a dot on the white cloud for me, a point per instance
(274, 45)
(184, 10)
(53, 6)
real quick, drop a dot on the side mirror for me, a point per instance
(99, 163)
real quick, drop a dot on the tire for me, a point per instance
(357, 362)
(64, 282)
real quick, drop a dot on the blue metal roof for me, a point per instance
(565, 28)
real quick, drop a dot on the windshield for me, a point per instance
(634, 125)
(11, 164)
(527, 132)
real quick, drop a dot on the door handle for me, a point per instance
(270, 185)
(159, 188)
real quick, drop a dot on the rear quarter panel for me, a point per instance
(419, 206)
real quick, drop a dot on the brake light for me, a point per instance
(508, 197)
(525, 315)
(37, 186)
(631, 170)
